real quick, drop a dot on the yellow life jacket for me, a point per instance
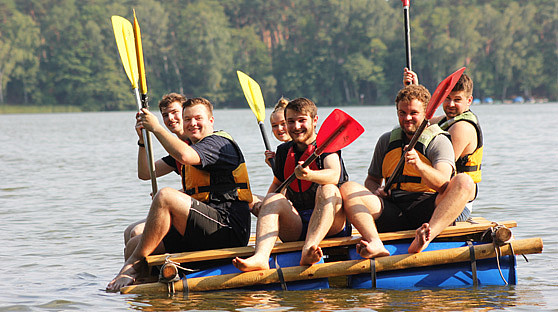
(470, 163)
(410, 179)
(217, 187)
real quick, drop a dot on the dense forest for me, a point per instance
(336, 52)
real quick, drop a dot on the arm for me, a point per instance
(373, 184)
(329, 175)
(177, 148)
(463, 138)
(435, 177)
(161, 168)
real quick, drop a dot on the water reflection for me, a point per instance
(459, 299)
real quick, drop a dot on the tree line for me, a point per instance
(336, 52)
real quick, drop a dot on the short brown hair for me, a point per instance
(170, 98)
(202, 101)
(465, 83)
(303, 106)
(413, 92)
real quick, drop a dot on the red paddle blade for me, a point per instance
(337, 131)
(442, 91)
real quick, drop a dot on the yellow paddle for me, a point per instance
(129, 48)
(254, 97)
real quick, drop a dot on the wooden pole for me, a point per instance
(340, 268)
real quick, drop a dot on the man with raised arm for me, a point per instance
(311, 208)
(212, 211)
(465, 131)
(170, 107)
(425, 196)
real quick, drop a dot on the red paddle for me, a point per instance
(441, 92)
(338, 130)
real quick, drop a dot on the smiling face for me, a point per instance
(172, 117)
(457, 103)
(198, 122)
(411, 114)
(301, 127)
(279, 126)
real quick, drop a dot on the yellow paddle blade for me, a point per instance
(253, 94)
(139, 56)
(124, 35)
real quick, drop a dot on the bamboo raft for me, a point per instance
(447, 262)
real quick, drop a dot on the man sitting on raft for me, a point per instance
(311, 208)
(424, 196)
(213, 210)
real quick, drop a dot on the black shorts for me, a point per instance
(406, 212)
(207, 228)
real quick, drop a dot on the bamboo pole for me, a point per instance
(340, 268)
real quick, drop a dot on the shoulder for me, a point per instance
(284, 147)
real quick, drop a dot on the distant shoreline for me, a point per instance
(38, 109)
(44, 109)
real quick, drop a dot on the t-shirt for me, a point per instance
(439, 150)
(219, 154)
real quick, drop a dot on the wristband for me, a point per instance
(141, 144)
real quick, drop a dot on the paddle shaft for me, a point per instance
(266, 142)
(142, 103)
(399, 168)
(407, 33)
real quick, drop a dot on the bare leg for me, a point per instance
(276, 218)
(133, 229)
(362, 208)
(328, 218)
(449, 205)
(168, 207)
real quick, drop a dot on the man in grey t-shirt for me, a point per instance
(423, 197)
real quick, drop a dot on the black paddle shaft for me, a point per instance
(266, 143)
(407, 37)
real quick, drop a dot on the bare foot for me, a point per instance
(422, 239)
(127, 276)
(373, 249)
(250, 264)
(311, 255)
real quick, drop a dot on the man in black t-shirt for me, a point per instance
(212, 211)
(311, 208)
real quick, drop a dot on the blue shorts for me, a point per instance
(305, 218)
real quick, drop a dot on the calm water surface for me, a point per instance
(68, 188)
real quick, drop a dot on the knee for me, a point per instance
(274, 202)
(163, 196)
(328, 190)
(463, 182)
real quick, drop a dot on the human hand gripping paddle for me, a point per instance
(253, 94)
(441, 92)
(337, 131)
(128, 41)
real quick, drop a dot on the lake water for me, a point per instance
(68, 188)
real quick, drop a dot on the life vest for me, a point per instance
(290, 164)
(410, 179)
(470, 163)
(217, 187)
